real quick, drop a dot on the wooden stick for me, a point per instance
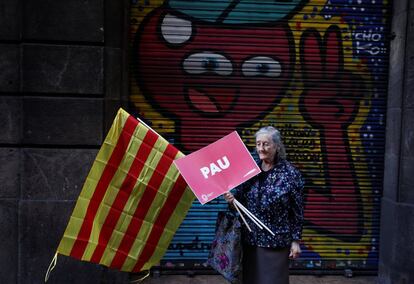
(248, 213)
(241, 215)
(252, 217)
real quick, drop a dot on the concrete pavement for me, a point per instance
(215, 279)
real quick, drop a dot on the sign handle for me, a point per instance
(241, 215)
(251, 216)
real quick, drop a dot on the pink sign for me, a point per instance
(218, 167)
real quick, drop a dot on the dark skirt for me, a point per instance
(265, 265)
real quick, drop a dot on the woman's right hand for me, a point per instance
(228, 197)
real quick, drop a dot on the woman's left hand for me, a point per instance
(294, 250)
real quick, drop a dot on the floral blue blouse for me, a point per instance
(276, 198)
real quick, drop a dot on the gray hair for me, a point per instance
(277, 139)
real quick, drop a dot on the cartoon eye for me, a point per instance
(176, 30)
(198, 63)
(261, 66)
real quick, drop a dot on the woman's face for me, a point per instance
(266, 148)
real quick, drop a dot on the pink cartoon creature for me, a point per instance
(213, 66)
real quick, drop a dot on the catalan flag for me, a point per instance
(132, 202)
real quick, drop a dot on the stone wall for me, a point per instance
(62, 78)
(397, 216)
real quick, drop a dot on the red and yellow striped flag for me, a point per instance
(132, 202)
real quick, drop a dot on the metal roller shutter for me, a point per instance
(316, 70)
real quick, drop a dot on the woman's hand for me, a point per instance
(228, 197)
(294, 250)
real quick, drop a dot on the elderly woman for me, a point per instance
(275, 196)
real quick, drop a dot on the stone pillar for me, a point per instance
(63, 64)
(396, 261)
(10, 138)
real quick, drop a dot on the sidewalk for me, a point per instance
(213, 279)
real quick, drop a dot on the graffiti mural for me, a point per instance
(314, 69)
